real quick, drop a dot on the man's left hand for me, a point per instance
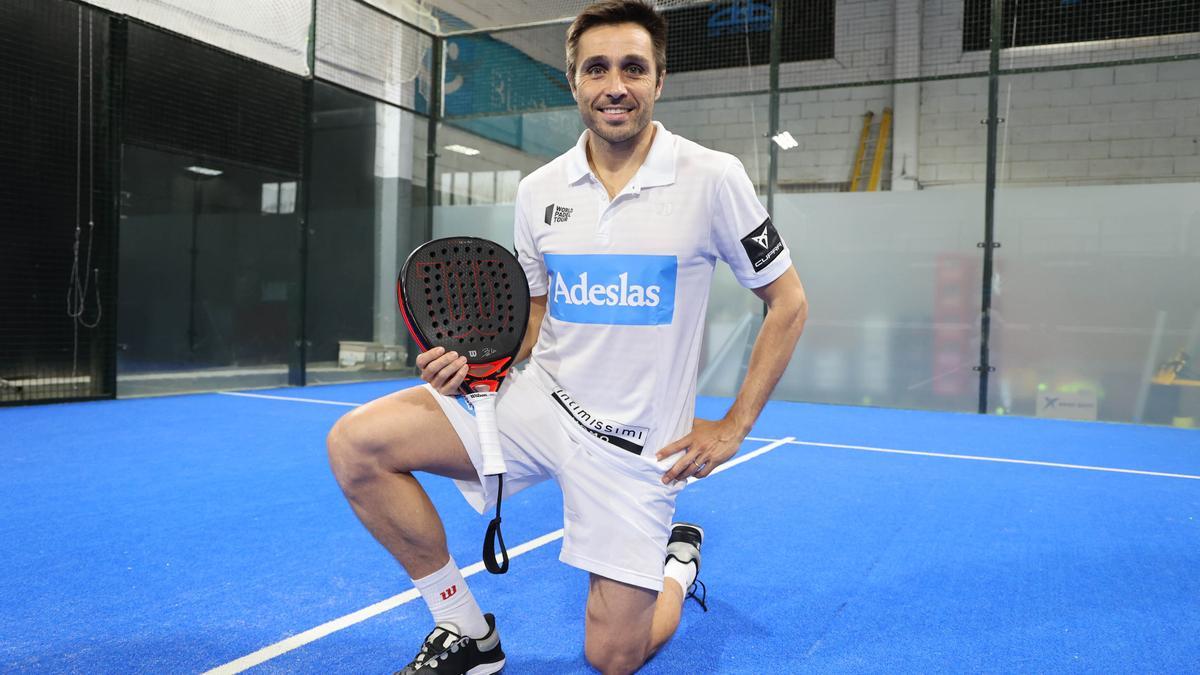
(709, 445)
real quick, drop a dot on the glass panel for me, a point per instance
(367, 210)
(482, 171)
(894, 286)
(207, 278)
(892, 273)
(1097, 314)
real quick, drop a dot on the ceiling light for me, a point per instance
(784, 140)
(462, 150)
(205, 171)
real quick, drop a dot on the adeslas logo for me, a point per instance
(622, 294)
(628, 290)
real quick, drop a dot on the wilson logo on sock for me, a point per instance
(449, 592)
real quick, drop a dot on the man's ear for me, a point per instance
(662, 78)
(570, 83)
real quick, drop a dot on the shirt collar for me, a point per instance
(657, 169)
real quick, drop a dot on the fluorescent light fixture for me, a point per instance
(205, 171)
(462, 150)
(784, 140)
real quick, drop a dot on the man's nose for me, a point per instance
(614, 86)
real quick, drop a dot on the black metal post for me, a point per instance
(435, 114)
(193, 255)
(298, 354)
(989, 242)
(118, 40)
(436, 74)
(773, 115)
(298, 362)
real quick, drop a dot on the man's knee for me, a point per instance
(610, 661)
(356, 455)
(349, 453)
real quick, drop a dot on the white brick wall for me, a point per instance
(1112, 124)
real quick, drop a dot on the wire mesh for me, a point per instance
(457, 15)
(274, 32)
(369, 51)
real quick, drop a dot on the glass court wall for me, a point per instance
(992, 204)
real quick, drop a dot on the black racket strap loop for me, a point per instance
(493, 535)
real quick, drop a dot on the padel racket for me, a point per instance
(470, 296)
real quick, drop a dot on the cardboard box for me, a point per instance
(370, 355)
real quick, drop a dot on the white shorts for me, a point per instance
(616, 511)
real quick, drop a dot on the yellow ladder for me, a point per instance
(885, 132)
(856, 171)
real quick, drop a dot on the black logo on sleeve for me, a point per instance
(557, 214)
(762, 245)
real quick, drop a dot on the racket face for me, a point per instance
(468, 295)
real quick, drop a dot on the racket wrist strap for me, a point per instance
(494, 535)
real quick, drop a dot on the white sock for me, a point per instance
(684, 573)
(450, 601)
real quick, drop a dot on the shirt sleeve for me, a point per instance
(743, 233)
(527, 254)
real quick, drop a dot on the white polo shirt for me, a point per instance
(628, 279)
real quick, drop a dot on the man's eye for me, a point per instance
(595, 70)
(636, 70)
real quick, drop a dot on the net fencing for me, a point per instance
(369, 51)
(56, 263)
(274, 32)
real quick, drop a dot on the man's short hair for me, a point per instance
(608, 12)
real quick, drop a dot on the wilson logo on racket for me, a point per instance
(463, 292)
(629, 290)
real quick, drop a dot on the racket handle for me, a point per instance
(489, 435)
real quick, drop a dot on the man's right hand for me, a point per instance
(443, 370)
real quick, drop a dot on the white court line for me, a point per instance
(289, 398)
(271, 651)
(977, 458)
(313, 634)
(791, 440)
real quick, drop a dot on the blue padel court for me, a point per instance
(199, 533)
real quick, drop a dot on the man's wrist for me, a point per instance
(741, 422)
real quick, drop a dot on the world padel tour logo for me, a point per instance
(557, 214)
(625, 290)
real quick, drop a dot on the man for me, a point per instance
(618, 238)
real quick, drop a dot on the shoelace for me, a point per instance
(424, 656)
(699, 598)
(453, 648)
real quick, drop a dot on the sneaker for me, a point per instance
(684, 546)
(445, 652)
